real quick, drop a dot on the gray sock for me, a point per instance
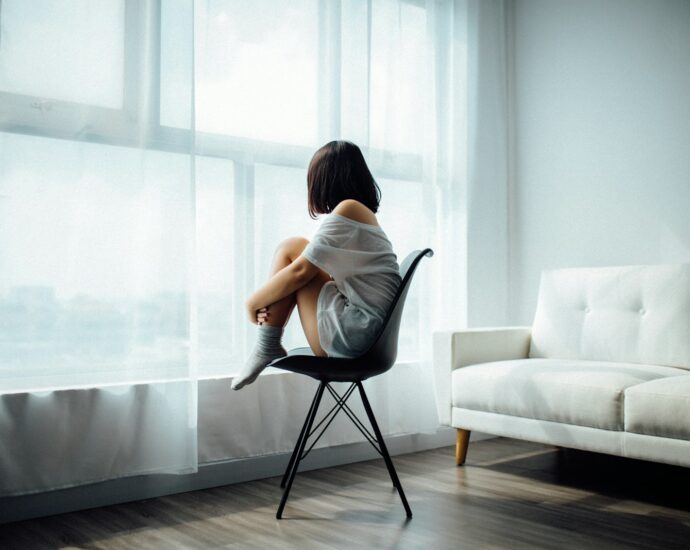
(268, 347)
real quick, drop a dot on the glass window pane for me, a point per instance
(397, 75)
(221, 313)
(256, 69)
(70, 50)
(94, 263)
(354, 66)
(177, 55)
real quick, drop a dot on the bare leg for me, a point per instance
(273, 321)
(286, 252)
(305, 298)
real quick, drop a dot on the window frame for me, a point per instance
(46, 117)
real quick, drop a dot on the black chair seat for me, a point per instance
(327, 369)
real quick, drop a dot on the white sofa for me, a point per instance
(605, 367)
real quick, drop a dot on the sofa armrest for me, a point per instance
(453, 349)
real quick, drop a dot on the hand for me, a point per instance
(256, 316)
(262, 315)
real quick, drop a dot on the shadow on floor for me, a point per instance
(606, 475)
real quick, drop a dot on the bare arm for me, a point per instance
(282, 284)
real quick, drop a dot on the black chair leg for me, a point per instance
(297, 444)
(384, 450)
(300, 448)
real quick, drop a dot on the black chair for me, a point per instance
(378, 359)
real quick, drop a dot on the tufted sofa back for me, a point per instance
(634, 314)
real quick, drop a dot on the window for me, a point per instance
(256, 70)
(272, 81)
(31, 65)
(93, 263)
(397, 72)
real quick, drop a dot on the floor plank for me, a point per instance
(509, 494)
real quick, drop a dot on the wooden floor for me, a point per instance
(510, 494)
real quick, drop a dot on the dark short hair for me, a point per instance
(337, 172)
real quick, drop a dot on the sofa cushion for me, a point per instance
(634, 314)
(584, 393)
(660, 407)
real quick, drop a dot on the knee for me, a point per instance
(292, 246)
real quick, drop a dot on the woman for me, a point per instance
(343, 281)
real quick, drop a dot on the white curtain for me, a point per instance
(276, 80)
(125, 259)
(97, 217)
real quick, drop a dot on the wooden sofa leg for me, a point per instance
(462, 441)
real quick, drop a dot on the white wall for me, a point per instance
(602, 138)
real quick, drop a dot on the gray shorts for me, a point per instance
(345, 329)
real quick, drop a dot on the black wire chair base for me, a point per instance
(308, 430)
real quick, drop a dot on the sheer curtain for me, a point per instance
(152, 155)
(275, 81)
(97, 217)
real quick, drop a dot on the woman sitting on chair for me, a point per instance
(342, 282)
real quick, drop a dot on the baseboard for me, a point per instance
(216, 474)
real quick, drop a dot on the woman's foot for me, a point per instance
(268, 348)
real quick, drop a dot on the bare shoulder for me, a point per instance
(355, 210)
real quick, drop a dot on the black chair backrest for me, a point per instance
(382, 354)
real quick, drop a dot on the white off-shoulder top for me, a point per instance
(366, 275)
